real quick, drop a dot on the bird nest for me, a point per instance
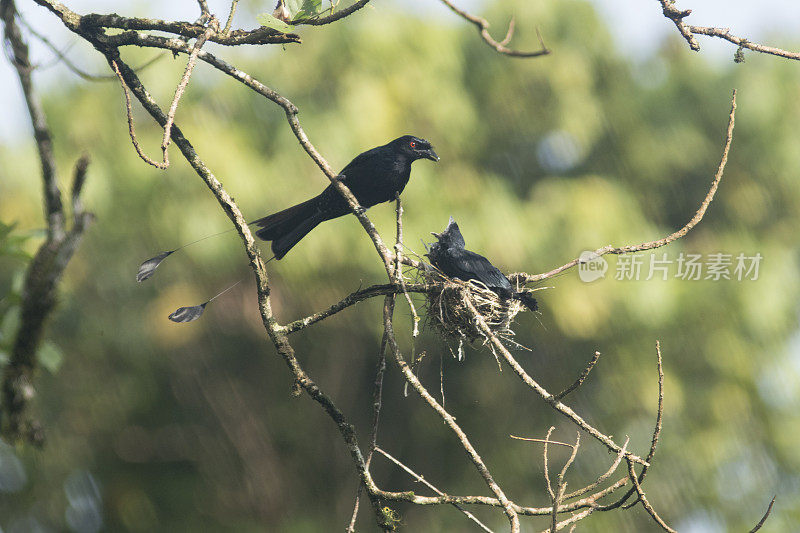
(448, 310)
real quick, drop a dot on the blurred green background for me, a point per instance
(155, 426)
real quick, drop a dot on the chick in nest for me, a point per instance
(469, 278)
(452, 258)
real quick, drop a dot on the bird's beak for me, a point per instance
(430, 154)
(437, 235)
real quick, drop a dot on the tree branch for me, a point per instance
(388, 312)
(522, 277)
(541, 391)
(425, 482)
(189, 30)
(44, 272)
(688, 32)
(333, 17)
(483, 28)
(581, 378)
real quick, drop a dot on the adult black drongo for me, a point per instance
(375, 176)
(452, 258)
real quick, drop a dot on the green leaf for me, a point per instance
(312, 6)
(268, 21)
(309, 10)
(50, 357)
(294, 7)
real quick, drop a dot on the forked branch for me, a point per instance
(483, 28)
(698, 216)
(688, 32)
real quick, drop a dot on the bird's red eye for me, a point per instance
(412, 144)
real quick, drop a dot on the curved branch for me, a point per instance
(764, 518)
(646, 504)
(656, 434)
(741, 42)
(522, 277)
(688, 32)
(581, 378)
(352, 299)
(483, 28)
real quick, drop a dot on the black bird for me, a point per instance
(451, 257)
(375, 176)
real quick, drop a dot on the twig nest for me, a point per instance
(448, 312)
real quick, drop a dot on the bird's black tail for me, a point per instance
(286, 228)
(528, 300)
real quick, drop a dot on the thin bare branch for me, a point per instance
(571, 520)
(164, 164)
(398, 272)
(548, 484)
(541, 391)
(562, 485)
(131, 130)
(545, 441)
(187, 73)
(227, 29)
(388, 312)
(62, 56)
(425, 482)
(764, 518)
(483, 28)
(646, 504)
(698, 216)
(377, 403)
(656, 434)
(602, 478)
(741, 42)
(688, 32)
(581, 378)
(352, 299)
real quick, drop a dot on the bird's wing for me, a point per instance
(469, 265)
(365, 158)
